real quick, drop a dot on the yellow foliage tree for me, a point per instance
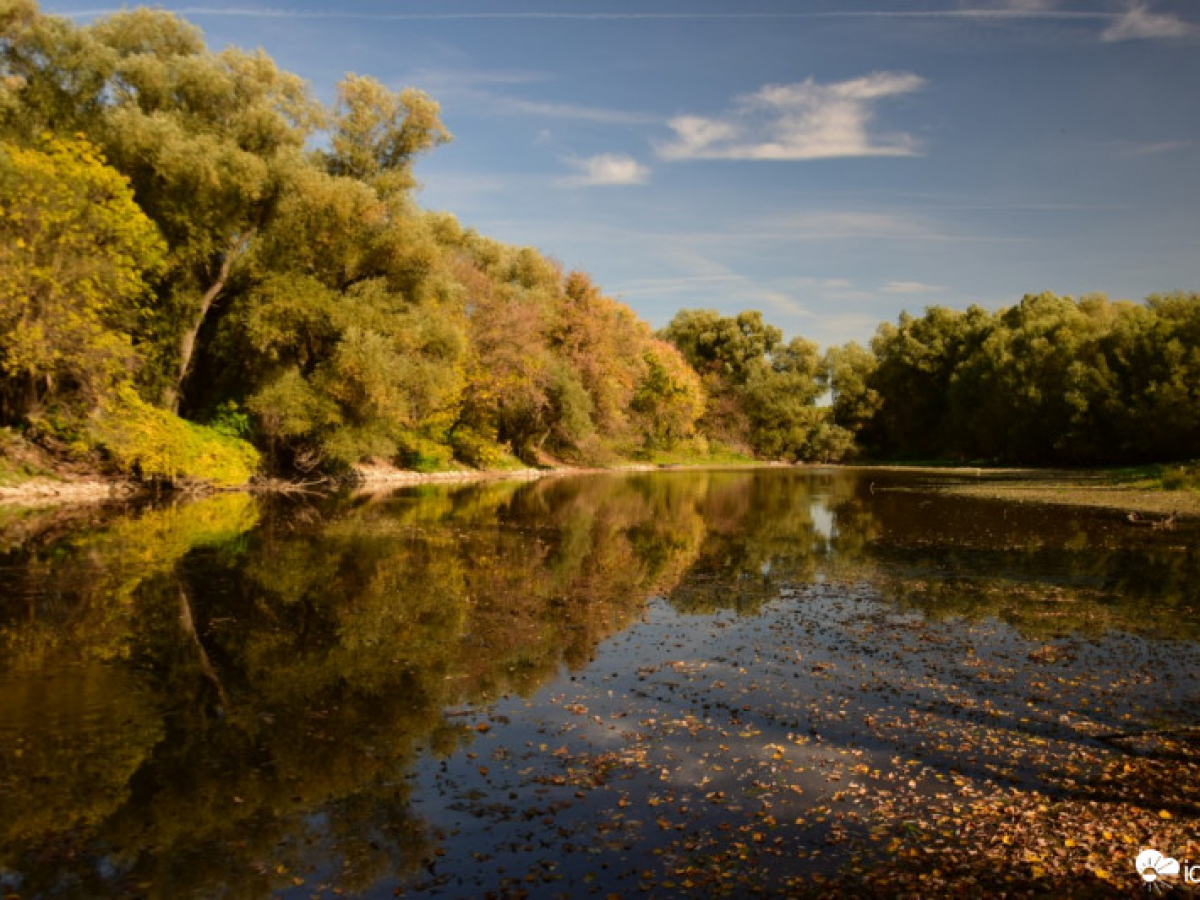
(75, 251)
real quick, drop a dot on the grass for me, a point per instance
(1163, 490)
(19, 460)
(14, 473)
(1184, 476)
(696, 453)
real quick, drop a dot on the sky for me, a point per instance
(830, 163)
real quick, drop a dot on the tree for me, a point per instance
(605, 344)
(52, 74)
(75, 254)
(213, 143)
(1023, 394)
(726, 351)
(1146, 403)
(916, 361)
(846, 372)
(210, 141)
(780, 400)
(721, 347)
(669, 399)
(377, 133)
(762, 392)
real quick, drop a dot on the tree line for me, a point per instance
(1050, 380)
(204, 270)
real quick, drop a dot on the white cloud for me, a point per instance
(806, 120)
(909, 287)
(608, 169)
(1140, 23)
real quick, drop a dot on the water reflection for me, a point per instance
(228, 697)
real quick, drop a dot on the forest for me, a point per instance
(206, 273)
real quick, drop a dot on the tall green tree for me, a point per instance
(917, 359)
(846, 372)
(211, 142)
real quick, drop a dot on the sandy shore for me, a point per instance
(53, 492)
(50, 491)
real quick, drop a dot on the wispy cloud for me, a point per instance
(1136, 149)
(606, 170)
(835, 225)
(909, 287)
(575, 111)
(644, 286)
(486, 89)
(799, 121)
(1139, 23)
(472, 80)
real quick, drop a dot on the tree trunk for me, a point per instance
(188, 623)
(187, 343)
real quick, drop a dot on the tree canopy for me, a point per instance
(189, 231)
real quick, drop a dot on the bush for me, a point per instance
(475, 449)
(423, 455)
(155, 445)
(1182, 478)
(231, 421)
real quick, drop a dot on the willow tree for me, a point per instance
(378, 132)
(211, 142)
(846, 372)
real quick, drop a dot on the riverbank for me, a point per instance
(51, 491)
(1145, 493)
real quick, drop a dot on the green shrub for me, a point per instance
(423, 455)
(475, 449)
(156, 445)
(232, 421)
(1182, 478)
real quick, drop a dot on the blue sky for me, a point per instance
(828, 163)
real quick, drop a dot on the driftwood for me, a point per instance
(1166, 522)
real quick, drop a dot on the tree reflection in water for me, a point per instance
(228, 696)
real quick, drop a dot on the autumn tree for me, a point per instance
(669, 398)
(75, 255)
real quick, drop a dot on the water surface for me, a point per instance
(791, 681)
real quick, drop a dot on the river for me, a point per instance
(787, 682)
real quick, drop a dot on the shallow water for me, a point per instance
(663, 684)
